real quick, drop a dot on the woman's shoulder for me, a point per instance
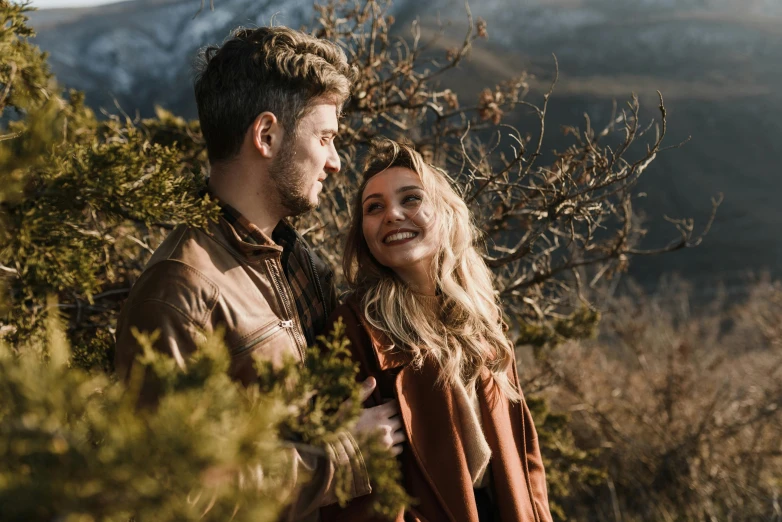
(349, 310)
(370, 346)
(349, 313)
(355, 330)
(357, 327)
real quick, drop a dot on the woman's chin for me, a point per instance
(405, 266)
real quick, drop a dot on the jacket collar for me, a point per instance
(242, 234)
(239, 242)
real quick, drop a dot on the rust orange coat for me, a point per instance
(433, 462)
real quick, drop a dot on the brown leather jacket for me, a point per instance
(433, 463)
(199, 280)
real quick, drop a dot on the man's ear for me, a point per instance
(267, 134)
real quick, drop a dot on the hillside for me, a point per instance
(716, 62)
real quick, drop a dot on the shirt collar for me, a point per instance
(243, 234)
(245, 230)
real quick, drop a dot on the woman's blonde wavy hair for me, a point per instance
(469, 334)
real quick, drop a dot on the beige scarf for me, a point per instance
(476, 449)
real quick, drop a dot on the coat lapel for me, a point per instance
(428, 412)
(504, 431)
(429, 416)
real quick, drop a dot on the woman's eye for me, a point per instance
(411, 199)
(371, 207)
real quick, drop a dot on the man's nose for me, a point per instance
(333, 163)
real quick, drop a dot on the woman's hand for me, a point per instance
(383, 420)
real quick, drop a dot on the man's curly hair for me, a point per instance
(275, 69)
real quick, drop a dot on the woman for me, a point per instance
(423, 320)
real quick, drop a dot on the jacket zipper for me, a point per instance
(268, 332)
(287, 306)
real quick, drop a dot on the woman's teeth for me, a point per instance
(399, 236)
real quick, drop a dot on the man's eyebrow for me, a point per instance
(398, 191)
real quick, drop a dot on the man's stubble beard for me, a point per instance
(290, 183)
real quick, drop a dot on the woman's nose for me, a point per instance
(394, 213)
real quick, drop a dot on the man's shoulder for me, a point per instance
(204, 251)
(178, 286)
(192, 246)
(180, 274)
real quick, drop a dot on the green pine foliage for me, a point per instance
(73, 446)
(566, 464)
(318, 389)
(86, 218)
(580, 324)
(25, 78)
(91, 199)
(25, 88)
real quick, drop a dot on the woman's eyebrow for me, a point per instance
(398, 191)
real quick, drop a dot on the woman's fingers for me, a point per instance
(367, 387)
(395, 424)
(394, 435)
(384, 419)
(390, 408)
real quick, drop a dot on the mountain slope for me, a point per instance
(716, 62)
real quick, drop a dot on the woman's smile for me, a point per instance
(399, 237)
(399, 223)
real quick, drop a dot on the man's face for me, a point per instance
(304, 162)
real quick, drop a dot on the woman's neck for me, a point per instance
(419, 279)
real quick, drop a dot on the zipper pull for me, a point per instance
(286, 324)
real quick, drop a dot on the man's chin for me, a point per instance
(314, 201)
(301, 207)
(302, 202)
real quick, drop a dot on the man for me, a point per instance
(268, 101)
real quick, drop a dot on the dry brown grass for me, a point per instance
(685, 407)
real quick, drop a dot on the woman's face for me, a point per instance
(399, 223)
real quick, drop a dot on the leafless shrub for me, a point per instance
(686, 408)
(549, 229)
